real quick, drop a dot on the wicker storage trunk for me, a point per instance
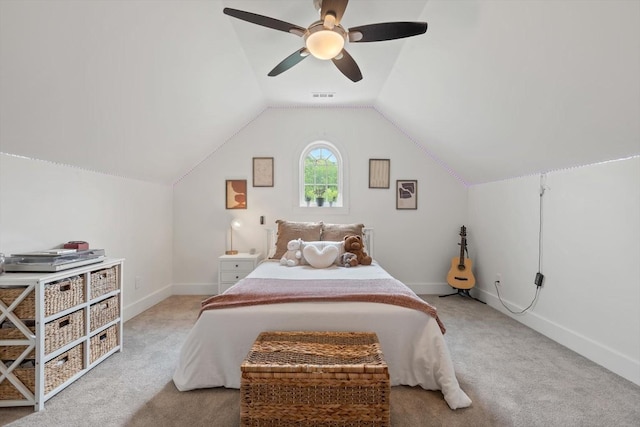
(315, 379)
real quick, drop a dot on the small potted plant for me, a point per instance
(308, 196)
(320, 196)
(331, 195)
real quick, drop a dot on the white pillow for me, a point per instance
(320, 258)
(321, 244)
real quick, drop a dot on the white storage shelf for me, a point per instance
(25, 302)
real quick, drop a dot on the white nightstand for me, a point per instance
(232, 268)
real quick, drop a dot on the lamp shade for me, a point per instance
(323, 42)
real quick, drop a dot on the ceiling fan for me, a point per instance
(325, 38)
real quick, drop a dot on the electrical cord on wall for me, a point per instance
(539, 276)
(521, 311)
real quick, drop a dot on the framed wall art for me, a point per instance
(263, 171)
(406, 194)
(379, 173)
(236, 193)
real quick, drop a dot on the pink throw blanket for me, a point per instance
(257, 291)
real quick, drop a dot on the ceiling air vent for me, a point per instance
(322, 95)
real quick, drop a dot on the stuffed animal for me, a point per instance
(348, 259)
(294, 253)
(353, 244)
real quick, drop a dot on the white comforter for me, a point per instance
(413, 346)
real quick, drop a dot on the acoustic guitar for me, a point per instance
(460, 275)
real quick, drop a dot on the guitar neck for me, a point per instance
(463, 244)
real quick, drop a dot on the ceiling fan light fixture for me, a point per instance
(325, 38)
(324, 43)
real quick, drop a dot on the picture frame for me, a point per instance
(263, 171)
(406, 194)
(236, 194)
(379, 173)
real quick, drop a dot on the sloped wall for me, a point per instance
(590, 250)
(43, 205)
(414, 245)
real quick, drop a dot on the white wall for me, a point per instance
(591, 246)
(43, 205)
(590, 300)
(414, 245)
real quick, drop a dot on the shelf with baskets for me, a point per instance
(55, 327)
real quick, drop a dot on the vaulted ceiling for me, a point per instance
(147, 89)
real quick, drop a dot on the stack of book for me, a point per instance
(52, 260)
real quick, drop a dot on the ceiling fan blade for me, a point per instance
(386, 31)
(348, 66)
(289, 62)
(334, 7)
(265, 21)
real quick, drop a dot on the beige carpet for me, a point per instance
(515, 377)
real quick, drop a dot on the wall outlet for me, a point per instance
(138, 282)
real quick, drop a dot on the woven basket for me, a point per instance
(102, 343)
(63, 294)
(60, 369)
(27, 307)
(27, 376)
(8, 331)
(63, 330)
(315, 379)
(12, 352)
(104, 312)
(104, 281)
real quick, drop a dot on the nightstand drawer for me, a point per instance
(237, 265)
(233, 276)
(232, 268)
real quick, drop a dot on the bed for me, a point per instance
(411, 339)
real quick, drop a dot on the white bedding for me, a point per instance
(413, 345)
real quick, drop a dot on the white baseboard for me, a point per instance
(195, 288)
(604, 356)
(132, 310)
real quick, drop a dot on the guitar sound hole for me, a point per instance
(461, 267)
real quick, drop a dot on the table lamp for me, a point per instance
(235, 224)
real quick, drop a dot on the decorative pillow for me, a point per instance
(291, 230)
(320, 258)
(320, 245)
(337, 232)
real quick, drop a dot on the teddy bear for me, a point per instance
(353, 244)
(348, 259)
(294, 253)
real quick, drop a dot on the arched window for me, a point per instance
(321, 176)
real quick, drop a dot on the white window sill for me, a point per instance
(322, 210)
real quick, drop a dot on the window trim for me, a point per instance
(342, 204)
